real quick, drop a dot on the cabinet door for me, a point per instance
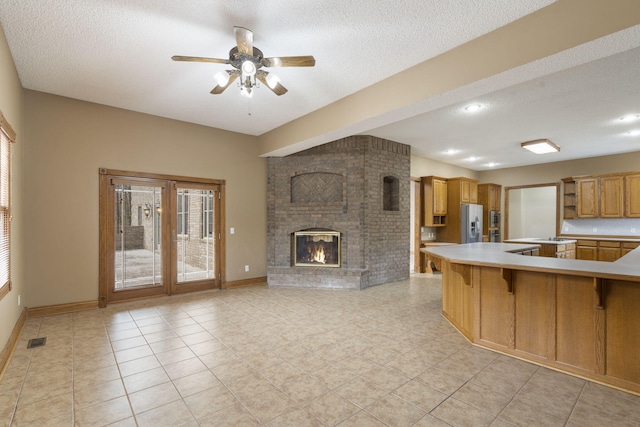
(608, 254)
(473, 191)
(632, 196)
(587, 196)
(494, 197)
(439, 197)
(589, 253)
(611, 197)
(465, 191)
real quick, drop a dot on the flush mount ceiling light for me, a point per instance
(540, 146)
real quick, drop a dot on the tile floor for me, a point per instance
(287, 357)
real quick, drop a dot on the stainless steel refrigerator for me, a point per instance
(471, 227)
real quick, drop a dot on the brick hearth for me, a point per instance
(358, 186)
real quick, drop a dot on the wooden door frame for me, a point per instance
(418, 263)
(105, 219)
(200, 285)
(505, 219)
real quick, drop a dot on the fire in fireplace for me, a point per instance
(316, 248)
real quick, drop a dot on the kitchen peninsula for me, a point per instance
(576, 316)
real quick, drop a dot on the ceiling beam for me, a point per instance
(560, 26)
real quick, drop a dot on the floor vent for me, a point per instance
(37, 342)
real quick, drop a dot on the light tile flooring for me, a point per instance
(287, 357)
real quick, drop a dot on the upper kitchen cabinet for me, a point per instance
(462, 190)
(587, 197)
(632, 195)
(489, 196)
(611, 196)
(602, 196)
(434, 195)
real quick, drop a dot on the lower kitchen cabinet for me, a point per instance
(587, 250)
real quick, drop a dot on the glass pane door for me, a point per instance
(195, 236)
(138, 239)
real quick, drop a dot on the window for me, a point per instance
(7, 136)
(183, 212)
(207, 214)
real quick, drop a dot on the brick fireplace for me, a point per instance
(356, 188)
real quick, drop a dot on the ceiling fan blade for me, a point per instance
(278, 89)
(199, 59)
(289, 61)
(244, 40)
(219, 89)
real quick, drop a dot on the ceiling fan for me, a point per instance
(247, 61)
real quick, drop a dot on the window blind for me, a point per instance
(7, 136)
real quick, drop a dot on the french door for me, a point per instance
(159, 235)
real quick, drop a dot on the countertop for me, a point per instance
(539, 241)
(434, 243)
(497, 255)
(611, 239)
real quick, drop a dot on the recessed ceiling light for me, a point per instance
(451, 151)
(472, 108)
(630, 118)
(634, 132)
(540, 146)
(492, 164)
(472, 159)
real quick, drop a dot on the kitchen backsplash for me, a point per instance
(607, 227)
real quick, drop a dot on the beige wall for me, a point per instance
(69, 140)
(554, 172)
(11, 107)
(421, 166)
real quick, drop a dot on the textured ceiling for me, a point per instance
(117, 53)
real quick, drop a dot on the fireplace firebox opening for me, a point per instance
(316, 248)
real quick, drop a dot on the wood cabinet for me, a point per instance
(608, 250)
(602, 196)
(587, 250)
(489, 196)
(559, 250)
(611, 196)
(582, 324)
(603, 250)
(434, 196)
(460, 190)
(569, 193)
(587, 197)
(632, 195)
(628, 247)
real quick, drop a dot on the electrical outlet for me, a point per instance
(595, 229)
(633, 230)
(18, 300)
(246, 268)
(566, 229)
(232, 230)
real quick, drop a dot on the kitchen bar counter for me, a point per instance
(499, 255)
(579, 317)
(538, 241)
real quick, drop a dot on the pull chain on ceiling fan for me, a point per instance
(247, 61)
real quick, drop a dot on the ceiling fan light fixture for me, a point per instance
(540, 146)
(248, 68)
(222, 78)
(272, 80)
(246, 92)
